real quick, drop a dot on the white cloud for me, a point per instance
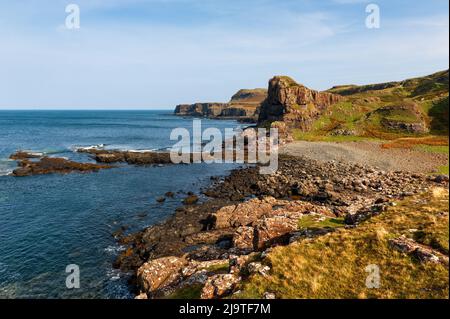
(145, 63)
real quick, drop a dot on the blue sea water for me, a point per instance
(50, 221)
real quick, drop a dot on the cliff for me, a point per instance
(244, 105)
(294, 104)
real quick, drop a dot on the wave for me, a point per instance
(114, 249)
(87, 148)
(47, 151)
(5, 172)
(6, 166)
(113, 274)
(142, 151)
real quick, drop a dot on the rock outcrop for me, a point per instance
(405, 117)
(421, 252)
(130, 157)
(50, 165)
(244, 105)
(294, 104)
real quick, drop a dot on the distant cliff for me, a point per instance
(244, 105)
(294, 104)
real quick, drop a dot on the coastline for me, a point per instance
(208, 249)
(70, 217)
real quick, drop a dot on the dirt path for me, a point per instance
(368, 153)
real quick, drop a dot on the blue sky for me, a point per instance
(159, 53)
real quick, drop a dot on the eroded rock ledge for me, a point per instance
(36, 164)
(130, 157)
(207, 248)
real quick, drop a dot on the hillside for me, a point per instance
(413, 107)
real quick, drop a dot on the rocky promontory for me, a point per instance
(294, 104)
(36, 164)
(244, 106)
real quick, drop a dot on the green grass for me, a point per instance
(443, 170)
(189, 292)
(316, 221)
(441, 149)
(317, 137)
(334, 266)
(219, 267)
(439, 115)
(358, 111)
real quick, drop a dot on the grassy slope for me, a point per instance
(357, 114)
(334, 266)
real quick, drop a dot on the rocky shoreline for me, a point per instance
(205, 249)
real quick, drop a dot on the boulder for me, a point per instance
(160, 273)
(161, 199)
(219, 286)
(190, 200)
(242, 214)
(258, 268)
(419, 251)
(273, 231)
(243, 238)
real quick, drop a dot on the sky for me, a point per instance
(154, 54)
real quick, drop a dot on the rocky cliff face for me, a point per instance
(243, 105)
(294, 104)
(200, 109)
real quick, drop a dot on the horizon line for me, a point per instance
(84, 109)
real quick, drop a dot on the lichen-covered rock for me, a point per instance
(258, 268)
(269, 295)
(219, 286)
(242, 214)
(142, 296)
(421, 252)
(273, 231)
(243, 238)
(160, 273)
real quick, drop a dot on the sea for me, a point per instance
(49, 222)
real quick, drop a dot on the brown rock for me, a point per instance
(160, 273)
(243, 238)
(272, 231)
(244, 105)
(219, 286)
(49, 165)
(242, 214)
(294, 104)
(421, 252)
(21, 155)
(161, 199)
(190, 200)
